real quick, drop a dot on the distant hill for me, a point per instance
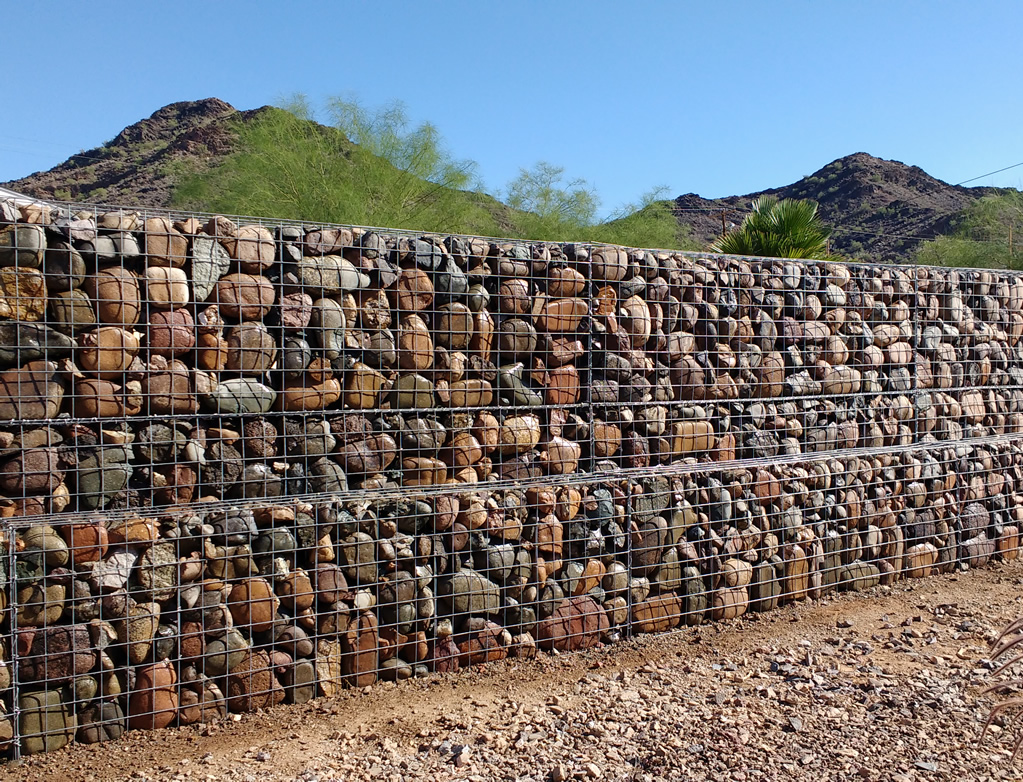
(136, 167)
(878, 209)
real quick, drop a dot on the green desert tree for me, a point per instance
(985, 236)
(366, 168)
(789, 228)
(650, 223)
(377, 168)
(550, 207)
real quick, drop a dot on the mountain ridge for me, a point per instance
(878, 209)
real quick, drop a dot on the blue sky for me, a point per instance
(716, 98)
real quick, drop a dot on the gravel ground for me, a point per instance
(885, 685)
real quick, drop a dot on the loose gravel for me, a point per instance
(884, 685)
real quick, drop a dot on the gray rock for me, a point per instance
(22, 245)
(45, 722)
(101, 475)
(468, 592)
(327, 476)
(240, 395)
(210, 262)
(327, 326)
(103, 721)
(224, 653)
(515, 391)
(331, 274)
(24, 342)
(157, 570)
(357, 556)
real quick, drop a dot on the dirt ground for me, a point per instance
(883, 685)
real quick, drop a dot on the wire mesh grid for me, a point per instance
(246, 462)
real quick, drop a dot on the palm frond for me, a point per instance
(789, 228)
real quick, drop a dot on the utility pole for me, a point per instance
(723, 213)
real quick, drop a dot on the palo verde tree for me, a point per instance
(376, 168)
(986, 235)
(365, 167)
(550, 207)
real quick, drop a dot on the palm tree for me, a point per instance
(790, 228)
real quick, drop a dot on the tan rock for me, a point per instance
(471, 393)
(167, 287)
(31, 392)
(519, 434)
(729, 603)
(108, 351)
(690, 436)
(453, 325)
(840, 380)
(561, 315)
(413, 291)
(634, 317)
(609, 263)
(549, 536)
(423, 471)
(374, 310)
(486, 430)
(797, 568)
(920, 560)
(311, 396)
(22, 294)
(251, 349)
(463, 450)
(607, 439)
(116, 296)
(562, 386)
(363, 386)
(415, 344)
(657, 614)
(253, 604)
(737, 572)
(95, 398)
(253, 245)
(482, 340)
(565, 283)
(568, 504)
(153, 702)
(561, 456)
(593, 572)
(211, 352)
(514, 298)
(165, 245)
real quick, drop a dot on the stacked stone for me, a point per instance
(242, 465)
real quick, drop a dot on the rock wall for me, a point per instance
(249, 463)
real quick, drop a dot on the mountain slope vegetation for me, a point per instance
(207, 156)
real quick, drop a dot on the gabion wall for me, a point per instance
(246, 462)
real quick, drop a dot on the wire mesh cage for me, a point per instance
(245, 462)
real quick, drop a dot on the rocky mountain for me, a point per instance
(137, 168)
(878, 209)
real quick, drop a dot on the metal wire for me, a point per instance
(245, 461)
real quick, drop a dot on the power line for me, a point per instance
(990, 173)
